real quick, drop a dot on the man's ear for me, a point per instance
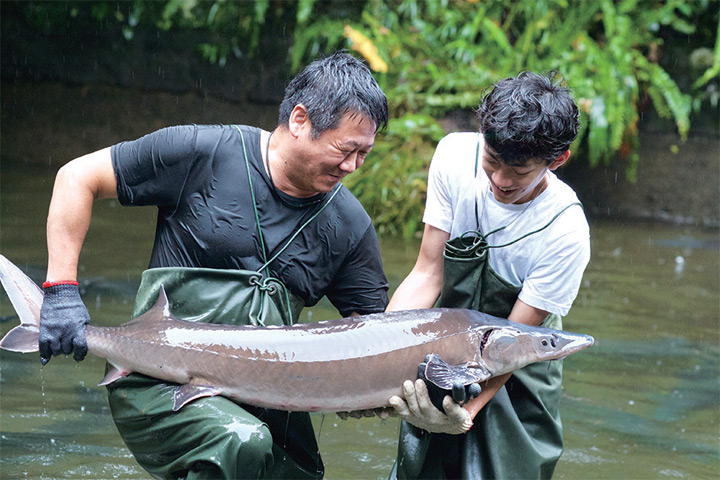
(299, 120)
(560, 160)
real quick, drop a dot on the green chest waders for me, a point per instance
(215, 437)
(518, 434)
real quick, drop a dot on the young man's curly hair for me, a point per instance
(528, 117)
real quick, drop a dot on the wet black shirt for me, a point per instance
(198, 179)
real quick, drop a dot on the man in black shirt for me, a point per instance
(252, 226)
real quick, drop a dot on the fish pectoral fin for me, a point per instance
(113, 374)
(447, 376)
(189, 392)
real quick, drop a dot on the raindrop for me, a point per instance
(679, 265)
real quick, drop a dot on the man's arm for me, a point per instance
(63, 315)
(421, 288)
(77, 184)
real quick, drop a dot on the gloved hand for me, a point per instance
(461, 393)
(63, 317)
(418, 410)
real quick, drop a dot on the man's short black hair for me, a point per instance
(332, 87)
(528, 117)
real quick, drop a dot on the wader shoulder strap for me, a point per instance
(269, 283)
(534, 231)
(252, 195)
(297, 232)
(257, 217)
(477, 161)
(474, 243)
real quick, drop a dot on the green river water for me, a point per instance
(643, 402)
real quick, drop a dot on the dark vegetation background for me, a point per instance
(78, 76)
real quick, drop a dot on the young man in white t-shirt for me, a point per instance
(499, 186)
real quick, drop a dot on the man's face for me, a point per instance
(516, 184)
(319, 164)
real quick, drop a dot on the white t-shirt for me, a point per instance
(549, 264)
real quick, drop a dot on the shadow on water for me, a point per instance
(641, 403)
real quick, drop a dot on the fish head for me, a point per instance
(509, 348)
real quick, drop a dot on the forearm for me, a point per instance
(489, 389)
(415, 292)
(67, 225)
(77, 185)
(421, 288)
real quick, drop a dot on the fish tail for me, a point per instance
(26, 297)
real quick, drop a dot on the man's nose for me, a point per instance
(351, 163)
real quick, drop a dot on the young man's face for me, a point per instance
(516, 184)
(320, 164)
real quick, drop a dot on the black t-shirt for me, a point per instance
(197, 177)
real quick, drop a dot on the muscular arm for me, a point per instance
(421, 288)
(77, 185)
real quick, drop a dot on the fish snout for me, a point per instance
(565, 343)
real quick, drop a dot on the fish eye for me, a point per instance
(545, 343)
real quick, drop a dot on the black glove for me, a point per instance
(460, 393)
(63, 317)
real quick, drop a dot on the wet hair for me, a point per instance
(332, 87)
(528, 117)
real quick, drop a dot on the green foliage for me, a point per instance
(444, 54)
(236, 25)
(707, 87)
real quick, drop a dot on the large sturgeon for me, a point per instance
(350, 364)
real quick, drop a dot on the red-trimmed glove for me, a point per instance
(63, 317)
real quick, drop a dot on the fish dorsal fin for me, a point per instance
(446, 376)
(162, 303)
(159, 311)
